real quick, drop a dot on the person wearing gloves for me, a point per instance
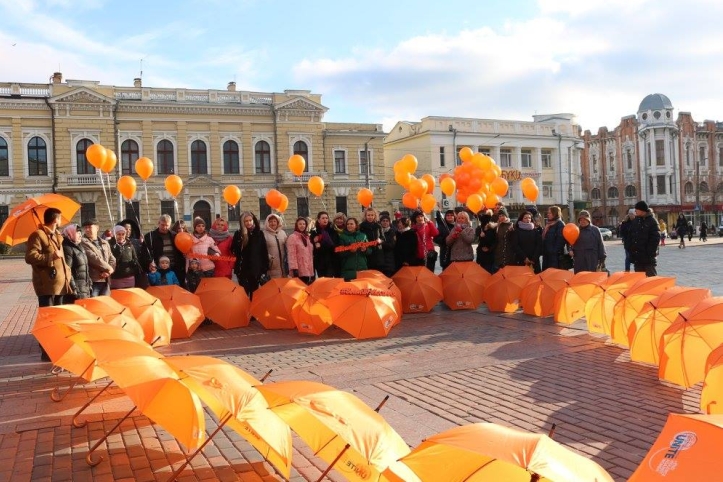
(588, 251)
(204, 245)
(460, 238)
(300, 252)
(275, 238)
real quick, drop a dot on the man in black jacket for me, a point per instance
(161, 242)
(643, 239)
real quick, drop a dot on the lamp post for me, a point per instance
(454, 144)
(570, 205)
(366, 163)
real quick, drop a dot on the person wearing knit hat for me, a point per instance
(196, 221)
(583, 214)
(205, 246)
(641, 206)
(126, 259)
(588, 251)
(643, 240)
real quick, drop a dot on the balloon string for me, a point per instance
(105, 194)
(175, 207)
(148, 210)
(112, 203)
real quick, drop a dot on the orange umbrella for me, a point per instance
(372, 274)
(272, 303)
(183, 306)
(538, 295)
(150, 313)
(339, 428)
(310, 315)
(599, 308)
(631, 303)
(486, 451)
(24, 219)
(462, 285)
(656, 316)
(686, 344)
(362, 309)
(687, 449)
(112, 313)
(711, 396)
(383, 283)
(503, 290)
(224, 302)
(570, 301)
(54, 323)
(421, 289)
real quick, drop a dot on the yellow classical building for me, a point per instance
(210, 138)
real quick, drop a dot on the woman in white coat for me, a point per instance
(276, 246)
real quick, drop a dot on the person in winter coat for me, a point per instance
(352, 260)
(643, 240)
(275, 238)
(504, 254)
(459, 240)
(526, 242)
(681, 228)
(249, 248)
(300, 252)
(426, 231)
(127, 265)
(77, 261)
(323, 240)
(163, 275)
(703, 235)
(486, 233)
(338, 227)
(219, 233)
(553, 241)
(444, 226)
(625, 233)
(372, 229)
(100, 259)
(389, 241)
(204, 245)
(588, 251)
(405, 249)
(133, 234)
(161, 242)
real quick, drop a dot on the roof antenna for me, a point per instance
(141, 76)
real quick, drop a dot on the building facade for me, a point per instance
(546, 150)
(210, 138)
(674, 164)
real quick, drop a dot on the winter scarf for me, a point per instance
(219, 236)
(550, 223)
(525, 226)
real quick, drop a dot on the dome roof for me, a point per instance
(655, 102)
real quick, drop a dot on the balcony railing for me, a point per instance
(289, 177)
(84, 179)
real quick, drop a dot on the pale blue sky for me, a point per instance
(382, 62)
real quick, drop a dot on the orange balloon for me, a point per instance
(126, 186)
(475, 203)
(95, 154)
(144, 168)
(500, 186)
(462, 196)
(365, 197)
(466, 154)
(448, 186)
(489, 176)
(477, 159)
(316, 185)
(409, 201)
(428, 203)
(232, 195)
(110, 161)
(571, 232)
(273, 198)
(399, 167)
(531, 191)
(444, 176)
(491, 200)
(497, 169)
(486, 162)
(409, 162)
(429, 179)
(418, 187)
(184, 242)
(526, 181)
(174, 185)
(403, 178)
(283, 204)
(297, 164)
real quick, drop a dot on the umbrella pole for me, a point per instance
(78, 424)
(552, 430)
(89, 457)
(180, 469)
(55, 394)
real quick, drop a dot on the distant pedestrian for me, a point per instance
(703, 231)
(691, 230)
(624, 232)
(681, 228)
(643, 240)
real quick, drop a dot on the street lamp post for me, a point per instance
(570, 204)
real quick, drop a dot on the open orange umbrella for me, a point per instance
(538, 295)
(150, 313)
(372, 274)
(24, 218)
(382, 283)
(599, 308)
(224, 302)
(272, 303)
(656, 316)
(54, 323)
(687, 449)
(711, 396)
(570, 301)
(362, 309)
(310, 315)
(687, 343)
(631, 303)
(490, 452)
(503, 290)
(339, 428)
(112, 313)
(183, 306)
(421, 289)
(462, 285)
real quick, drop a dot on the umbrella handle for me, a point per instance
(89, 457)
(221, 423)
(331, 465)
(263, 379)
(379, 407)
(78, 424)
(55, 394)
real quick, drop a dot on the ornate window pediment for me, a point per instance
(81, 95)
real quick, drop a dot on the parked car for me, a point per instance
(607, 235)
(613, 229)
(720, 230)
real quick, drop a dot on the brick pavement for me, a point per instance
(442, 369)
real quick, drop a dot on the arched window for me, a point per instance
(230, 158)
(688, 188)
(302, 149)
(4, 163)
(37, 157)
(263, 157)
(595, 193)
(630, 191)
(198, 158)
(613, 193)
(164, 157)
(129, 156)
(703, 186)
(82, 166)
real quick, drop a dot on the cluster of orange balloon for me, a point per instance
(529, 189)
(105, 160)
(420, 191)
(277, 200)
(478, 181)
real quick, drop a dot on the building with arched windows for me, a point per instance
(674, 164)
(210, 138)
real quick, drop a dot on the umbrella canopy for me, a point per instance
(570, 301)
(154, 387)
(538, 295)
(112, 313)
(310, 315)
(54, 323)
(599, 308)
(183, 306)
(421, 289)
(361, 309)
(656, 316)
(372, 274)
(24, 218)
(711, 396)
(631, 303)
(272, 303)
(463, 284)
(150, 313)
(503, 290)
(328, 419)
(229, 391)
(486, 451)
(686, 344)
(688, 448)
(224, 302)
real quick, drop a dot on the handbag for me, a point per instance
(566, 261)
